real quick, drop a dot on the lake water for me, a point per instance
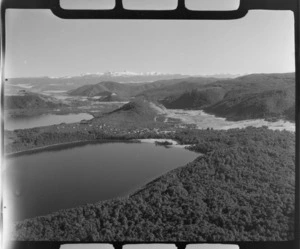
(40, 183)
(43, 120)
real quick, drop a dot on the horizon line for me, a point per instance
(145, 74)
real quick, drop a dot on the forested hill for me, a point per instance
(139, 107)
(255, 96)
(28, 100)
(138, 113)
(153, 90)
(269, 96)
(176, 88)
(271, 104)
(242, 188)
(105, 88)
(258, 96)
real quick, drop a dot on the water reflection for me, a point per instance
(44, 182)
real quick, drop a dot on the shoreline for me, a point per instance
(66, 145)
(174, 144)
(57, 146)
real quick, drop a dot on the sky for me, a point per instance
(41, 44)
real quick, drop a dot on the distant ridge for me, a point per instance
(177, 88)
(71, 82)
(195, 99)
(154, 90)
(105, 88)
(28, 100)
(255, 96)
(68, 83)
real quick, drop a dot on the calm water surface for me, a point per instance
(43, 120)
(44, 182)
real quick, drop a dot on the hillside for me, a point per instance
(105, 88)
(112, 97)
(176, 89)
(68, 83)
(195, 99)
(153, 91)
(139, 107)
(242, 188)
(270, 104)
(28, 100)
(268, 96)
(257, 96)
(137, 113)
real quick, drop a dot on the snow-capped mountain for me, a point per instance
(66, 83)
(130, 74)
(126, 73)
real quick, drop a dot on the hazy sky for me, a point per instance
(41, 44)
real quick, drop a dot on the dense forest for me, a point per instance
(241, 188)
(136, 119)
(255, 96)
(29, 100)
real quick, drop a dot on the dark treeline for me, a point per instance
(25, 139)
(241, 188)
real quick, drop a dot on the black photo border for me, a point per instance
(180, 13)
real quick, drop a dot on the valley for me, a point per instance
(150, 109)
(236, 136)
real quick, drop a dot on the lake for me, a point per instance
(43, 120)
(48, 181)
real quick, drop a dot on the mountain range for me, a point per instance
(67, 83)
(267, 96)
(154, 90)
(255, 96)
